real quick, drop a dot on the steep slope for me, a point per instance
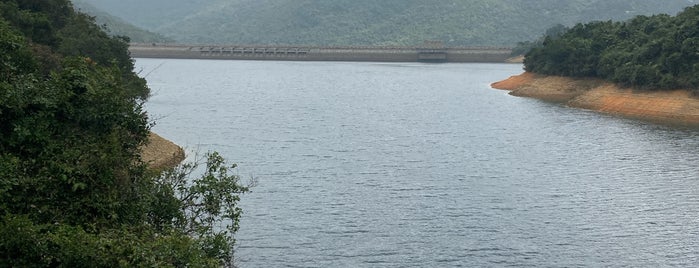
(74, 190)
(368, 22)
(118, 27)
(153, 14)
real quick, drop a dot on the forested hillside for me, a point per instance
(154, 14)
(651, 52)
(118, 27)
(369, 22)
(73, 189)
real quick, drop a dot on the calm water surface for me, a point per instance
(420, 165)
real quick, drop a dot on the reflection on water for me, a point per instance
(421, 165)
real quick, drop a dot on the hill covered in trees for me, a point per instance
(369, 22)
(118, 27)
(650, 52)
(73, 189)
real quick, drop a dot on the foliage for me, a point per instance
(73, 190)
(370, 22)
(183, 227)
(38, 20)
(204, 207)
(28, 244)
(78, 131)
(652, 52)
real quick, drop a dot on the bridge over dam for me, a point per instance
(308, 53)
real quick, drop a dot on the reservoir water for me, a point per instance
(424, 165)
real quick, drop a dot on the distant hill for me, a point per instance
(157, 14)
(119, 27)
(371, 22)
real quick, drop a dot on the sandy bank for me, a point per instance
(672, 107)
(161, 154)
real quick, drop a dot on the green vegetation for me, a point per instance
(118, 27)
(73, 190)
(649, 52)
(371, 22)
(152, 14)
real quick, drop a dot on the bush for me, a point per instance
(656, 52)
(73, 189)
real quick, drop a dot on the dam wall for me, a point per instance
(300, 53)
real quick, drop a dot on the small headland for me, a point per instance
(677, 107)
(160, 154)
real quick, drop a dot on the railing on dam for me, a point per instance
(330, 53)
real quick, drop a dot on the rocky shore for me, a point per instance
(668, 107)
(161, 154)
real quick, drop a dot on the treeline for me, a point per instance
(647, 52)
(73, 189)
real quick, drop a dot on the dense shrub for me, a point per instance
(656, 52)
(73, 190)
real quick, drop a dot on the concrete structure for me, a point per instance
(301, 53)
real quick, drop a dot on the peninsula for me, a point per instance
(677, 107)
(647, 68)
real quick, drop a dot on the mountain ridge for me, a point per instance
(366, 22)
(119, 27)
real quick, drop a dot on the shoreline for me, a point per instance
(676, 107)
(161, 154)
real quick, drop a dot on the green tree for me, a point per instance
(205, 208)
(649, 52)
(73, 190)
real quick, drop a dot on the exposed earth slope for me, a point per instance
(670, 107)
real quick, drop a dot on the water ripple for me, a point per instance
(376, 165)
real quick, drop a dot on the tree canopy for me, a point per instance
(650, 52)
(73, 190)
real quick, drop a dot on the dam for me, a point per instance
(318, 53)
